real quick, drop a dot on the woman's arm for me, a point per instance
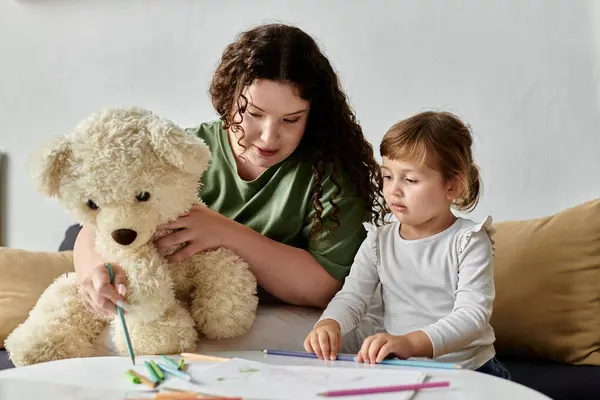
(289, 273)
(85, 257)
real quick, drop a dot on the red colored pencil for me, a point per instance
(384, 389)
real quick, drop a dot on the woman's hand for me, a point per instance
(378, 347)
(324, 340)
(99, 295)
(201, 228)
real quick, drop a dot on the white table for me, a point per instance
(103, 377)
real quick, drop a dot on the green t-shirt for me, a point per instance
(278, 204)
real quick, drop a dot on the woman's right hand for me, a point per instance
(99, 295)
(324, 340)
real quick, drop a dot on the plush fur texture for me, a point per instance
(126, 168)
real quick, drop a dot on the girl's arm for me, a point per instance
(474, 299)
(350, 304)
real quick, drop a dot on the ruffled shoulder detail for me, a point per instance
(486, 224)
(373, 239)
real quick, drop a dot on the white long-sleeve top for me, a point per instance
(442, 285)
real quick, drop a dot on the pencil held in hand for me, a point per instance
(122, 318)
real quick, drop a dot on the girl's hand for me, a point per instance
(98, 295)
(378, 347)
(201, 228)
(324, 340)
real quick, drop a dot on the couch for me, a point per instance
(547, 313)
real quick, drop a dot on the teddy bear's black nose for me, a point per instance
(124, 236)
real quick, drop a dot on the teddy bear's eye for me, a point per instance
(143, 196)
(91, 205)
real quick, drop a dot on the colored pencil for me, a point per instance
(384, 389)
(166, 396)
(185, 394)
(152, 373)
(157, 370)
(304, 354)
(175, 372)
(200, 357)
(111, 274)
(178, 395)
(192, 396)
(419, 363)
(171, 363)
(143, 379)
(132, 378)
(175, 390)
(389, 361)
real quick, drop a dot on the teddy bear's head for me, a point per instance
(123, 171)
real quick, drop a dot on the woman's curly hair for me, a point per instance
(287, 54)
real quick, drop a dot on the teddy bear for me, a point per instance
(124, 171)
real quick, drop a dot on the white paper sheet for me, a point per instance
(25, 389)
(251, 379)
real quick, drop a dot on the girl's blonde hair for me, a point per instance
(443, 139)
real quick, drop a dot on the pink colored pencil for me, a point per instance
(384, 389)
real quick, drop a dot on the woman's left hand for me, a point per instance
(202, 229)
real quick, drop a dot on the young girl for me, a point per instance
(435, 269)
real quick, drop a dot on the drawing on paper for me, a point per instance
(243, 374)
(252, 373)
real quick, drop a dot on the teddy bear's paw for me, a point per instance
(224, 327)
(27, 349)
(229, 318)
(172, 333)
(224, 302)
(58, 327)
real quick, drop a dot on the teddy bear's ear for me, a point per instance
(181, 149)
(49, 163)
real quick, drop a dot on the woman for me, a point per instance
(291, 181)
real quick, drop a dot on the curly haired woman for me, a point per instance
(291, 181)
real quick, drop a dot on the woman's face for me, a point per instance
(273, 125)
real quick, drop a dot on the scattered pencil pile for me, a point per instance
(157, 373)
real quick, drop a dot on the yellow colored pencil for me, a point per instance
(201, 357)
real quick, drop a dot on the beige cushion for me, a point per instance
(24, 275)
(547, 274)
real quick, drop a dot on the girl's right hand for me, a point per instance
(325, 340)
(99, 295)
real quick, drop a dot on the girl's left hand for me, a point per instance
(202, 228)
(378, 347)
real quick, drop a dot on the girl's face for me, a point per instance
(416, 193)
(273, 125)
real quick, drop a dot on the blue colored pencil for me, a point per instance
(175, 372)
(390, 361)
(303, 354)
(122, 317)
(170, 362)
